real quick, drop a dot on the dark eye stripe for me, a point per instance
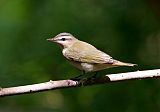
(63, 39)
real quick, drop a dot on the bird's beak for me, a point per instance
(51, 39)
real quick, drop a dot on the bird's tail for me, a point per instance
(119, 63)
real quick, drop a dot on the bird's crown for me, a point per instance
(64, 34)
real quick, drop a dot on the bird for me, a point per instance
(83, 55)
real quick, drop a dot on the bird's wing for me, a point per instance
(86, 53)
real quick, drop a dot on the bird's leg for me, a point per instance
(95, 75)
(78, 77)
(88, 77)
(83, 72)
(82, 80)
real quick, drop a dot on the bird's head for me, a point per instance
(64, 39)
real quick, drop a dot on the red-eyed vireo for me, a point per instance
(83, 55)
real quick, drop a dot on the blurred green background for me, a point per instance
(128, 30)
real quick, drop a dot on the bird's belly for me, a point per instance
(82, 66)
(87, 67)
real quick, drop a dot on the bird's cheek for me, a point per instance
(58, 42)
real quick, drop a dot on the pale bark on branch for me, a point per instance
(52, 85)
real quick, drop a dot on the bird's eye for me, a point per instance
(63, 39)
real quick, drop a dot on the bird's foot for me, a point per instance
(82, 81)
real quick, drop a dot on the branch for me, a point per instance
(52, 85)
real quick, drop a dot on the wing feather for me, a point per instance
(86, 53)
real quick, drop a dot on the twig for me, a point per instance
(52, 85)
